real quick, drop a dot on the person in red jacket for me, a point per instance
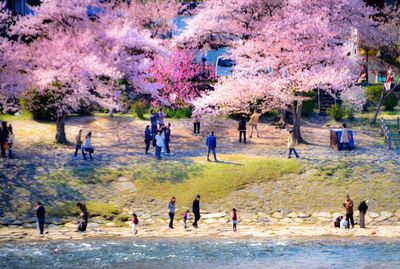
(234, 219)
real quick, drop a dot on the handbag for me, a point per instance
(6, 146)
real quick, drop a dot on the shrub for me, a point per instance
(42, 106)
(180, 113)
(390, 102)
(374, 93)
(139, 108)
(336, 112)
(309, 105)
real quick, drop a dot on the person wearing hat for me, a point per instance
(349, 205)
(363, 207)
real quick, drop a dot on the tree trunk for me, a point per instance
(366, 64)
(61, 138)
(296, 111)
(378, 108)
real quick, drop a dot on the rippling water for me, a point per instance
(198, 254)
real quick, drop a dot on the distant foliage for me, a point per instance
(139, 108)
(336, 112)
(180, 113)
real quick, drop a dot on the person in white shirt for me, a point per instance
(254, 122)
(343, 224)
(87, 146)
(159, 145)
(345, 138)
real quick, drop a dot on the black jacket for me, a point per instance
(3, 135)
(40, 212)
(363, 207)
(242, 125)
(196, 207)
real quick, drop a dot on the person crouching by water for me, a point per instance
(84, 217)
(40, 216)
(234, 219)
(171, 212)
(349, 205)
(87, 146)
(135, 224)
(337, 221)
(363, 207)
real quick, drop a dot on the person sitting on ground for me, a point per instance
(242, 129)
(292, 145)
(344, 224)
(78, 142)
(337, 221)
(87, 146)
(84, 217)
(345, 138)
(211, 143)
(135, 224)
(255, 118)
(147, 139)
(348, 205)
(363, 207)
(10, 142)
(234, 220)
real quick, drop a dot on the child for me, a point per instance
(344, 223)
(291, 145)
(234, 219)
(185, 218)
(135, 224)
(337, 221)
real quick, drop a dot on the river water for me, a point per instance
(199, 254)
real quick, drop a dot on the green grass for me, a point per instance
(105, 210)
(8, 117)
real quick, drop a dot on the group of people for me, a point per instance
(85, 147)
(6, 140)
(348, 204)
(159, 134)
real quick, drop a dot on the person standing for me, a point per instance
(78, 143)
(242, 129)
(147, 138)
(40, 216)
(234, 219)
(84, 217)
(3, 138)
(153, 123)
(196, 123)
(171, 212)
(135, 224)
(161, 117)
(292, 145)
(349, 205)
(87, 146)
(211, 143)
(167, 138)
(159, 145)
(185, 218)
(10, 142)
(196, 210)
(345, 138)
(255, 118)
(363, 207)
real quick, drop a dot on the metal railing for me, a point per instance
(391, 133)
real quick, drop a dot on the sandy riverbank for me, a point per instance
(205, 231)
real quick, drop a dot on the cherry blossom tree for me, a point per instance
(181, 76)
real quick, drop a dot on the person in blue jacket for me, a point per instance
(211, 143)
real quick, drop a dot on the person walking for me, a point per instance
(345, 138)
(159, 145)
(255, 118)
(3, 138)
(363, 207)
(153, 123)
(87, 146)
(161, 117)
(147, 139)
(196, 123)
(167, 138)
(40, 216)
(185, 218)
(196, 211)
(84, 217)
(349, 205)
(171, 212)
(10, 142)
(234, 220)
(211, 143)
(242, 129)
(78, 143)
(292, 145)
(135, 224)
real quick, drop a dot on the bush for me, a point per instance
(42, 106)
(139, 108)
(309, 105)
(390, 102)
(180, 113)
(336, 112)
(374, 93)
